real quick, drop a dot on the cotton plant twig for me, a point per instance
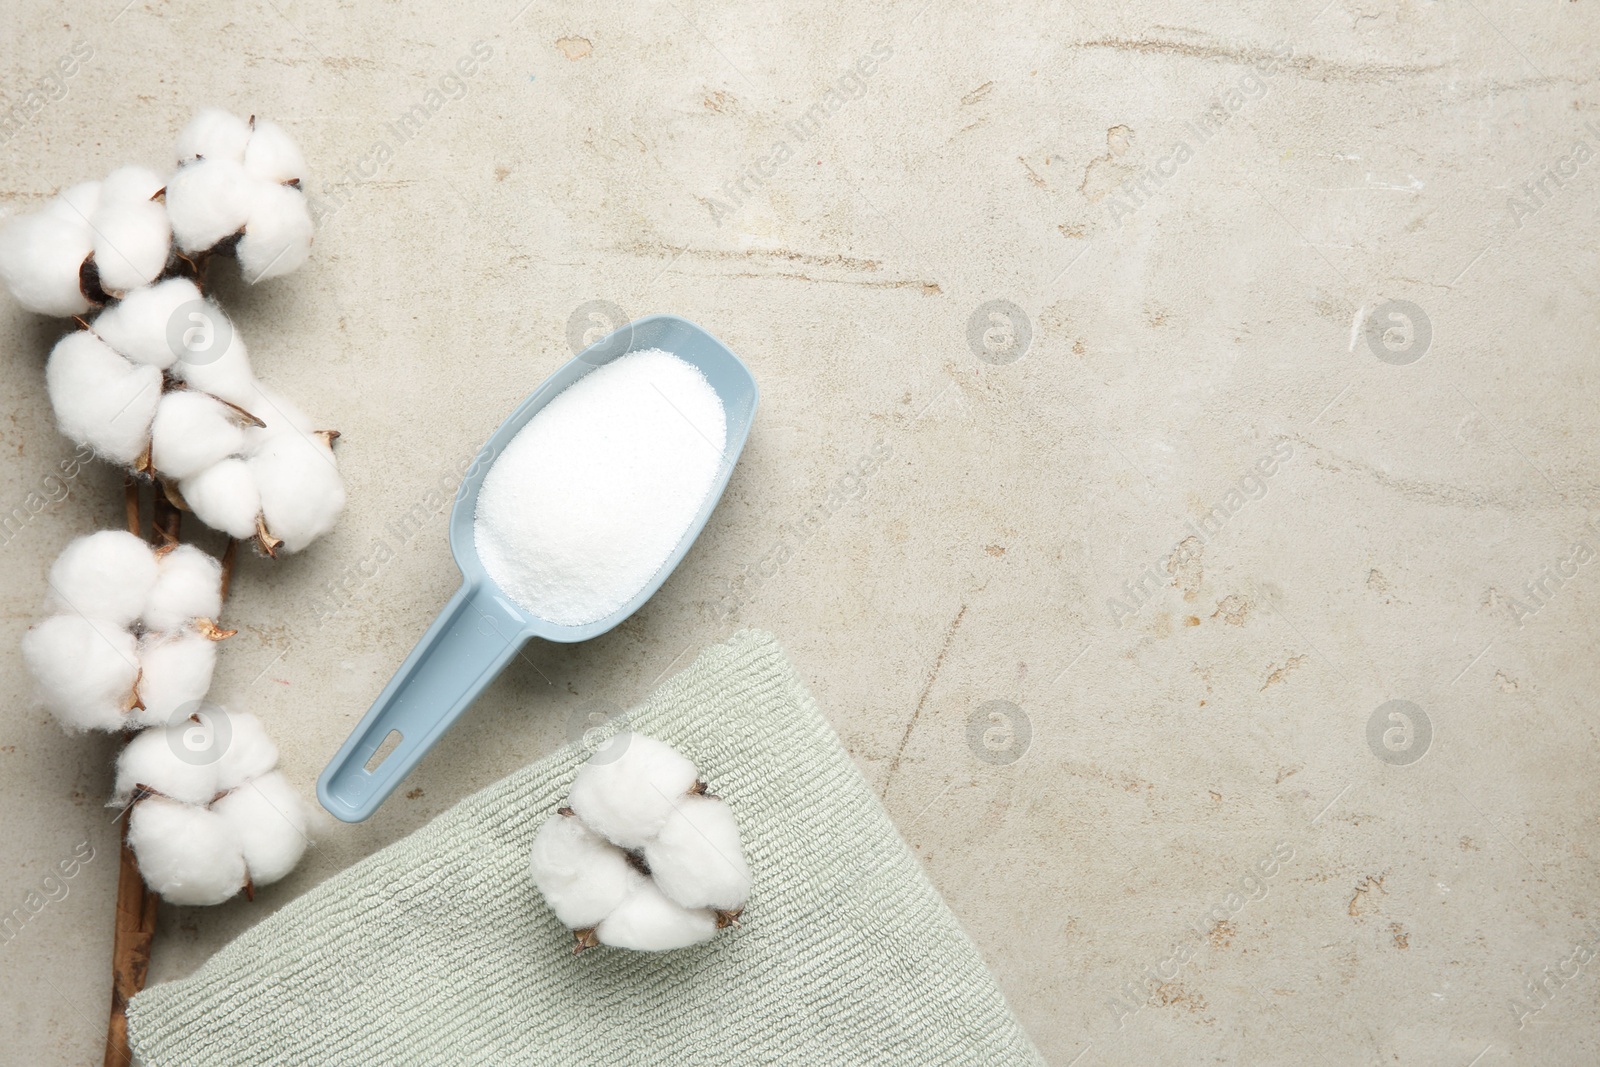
(135, 919)
(128, 641)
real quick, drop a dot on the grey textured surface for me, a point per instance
(1178, 335)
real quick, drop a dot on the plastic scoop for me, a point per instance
(481, 628)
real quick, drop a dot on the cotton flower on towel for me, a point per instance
(641, 857)
(131, 635)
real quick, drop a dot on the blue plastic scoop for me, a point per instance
(481, 628)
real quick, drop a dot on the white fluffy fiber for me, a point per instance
(123, 644)
(106, 575)
(100, 399)
(271, 823)
(187, 853)
(237, 177)
(132, 237)
(117, 221)
(85, 670)
(193, 431)
(696, 858)
(224, 497)
(188, 586)
(640, 859)
(650, 922)
(583, 876)
(627, 789)
(40, 257)
(277, 234)
(174, 673)
(195, 846)
(137, 325)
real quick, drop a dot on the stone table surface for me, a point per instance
(1151, 394)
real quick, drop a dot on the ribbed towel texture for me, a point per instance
(439, 950)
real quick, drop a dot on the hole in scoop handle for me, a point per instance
(462, 652)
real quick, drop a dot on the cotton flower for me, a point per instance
(91, 243)
(42, 255)
(187, 853)
(132, 237)
(131, 633)
(640, 858)
(241, 180)
(100, 399)
(86, 670)
(108, 575)
(649, 922)
(696, 858)
(211, 813)
(582, 875)
(626, 791)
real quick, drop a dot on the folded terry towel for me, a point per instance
(439, 950)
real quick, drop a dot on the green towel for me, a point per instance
(439, 950)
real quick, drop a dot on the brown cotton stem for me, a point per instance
(165, 521)
(130, 498)
(230, 555)
(130, 951)
(135, 920)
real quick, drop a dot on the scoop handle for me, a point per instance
(462, 652)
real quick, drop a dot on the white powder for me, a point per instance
(592, 495)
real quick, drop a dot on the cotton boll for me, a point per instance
(272, 154)
(269, 820)
(40, 257)
(649, 922)
(188, 586)
(191, 432)
(101, 399)
(301, 492)
(224, 497)
(187, 854)
(105, 575)
(178, 761)
(174, 672)
(208, 200)
(132, 184)
(76, 204)
(696, 858)
(249, 752)
(214, 134)
(627, 790)
(227, 375)
(582, 875)
(277, 238)
(137, 327)
(131, 243)
(85, 669)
